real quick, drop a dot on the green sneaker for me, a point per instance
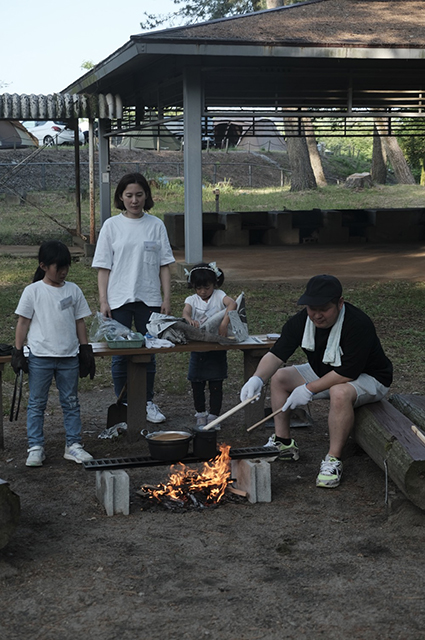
(330, 473)
(286, 451)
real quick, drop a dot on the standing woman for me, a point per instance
(132, 256)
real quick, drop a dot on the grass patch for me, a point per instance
(29, 225)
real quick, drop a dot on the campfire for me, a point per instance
(187, 487)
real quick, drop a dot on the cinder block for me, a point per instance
(263, 480)
(282, 231)
(113, 491)
(254, 477)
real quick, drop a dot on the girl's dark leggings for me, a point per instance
(216, 396)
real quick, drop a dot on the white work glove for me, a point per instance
(300, 396)
(252, 388)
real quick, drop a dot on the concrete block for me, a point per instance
(232, 235)
(254, 477)
(174, 223)
(263, 480)
(281, 231)
(113, 491)
(11, 199)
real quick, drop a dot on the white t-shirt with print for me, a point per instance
(204, 310)
(53, 312)
(133, 249)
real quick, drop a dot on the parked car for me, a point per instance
(50, 132)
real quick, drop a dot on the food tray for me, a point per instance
(136, 343)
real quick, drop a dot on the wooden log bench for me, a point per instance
(385, 434)
(137, 362)
(412, 406)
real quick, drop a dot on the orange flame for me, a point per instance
(212, 478)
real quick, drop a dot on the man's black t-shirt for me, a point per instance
(361, 349)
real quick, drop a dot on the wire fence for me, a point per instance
(48, 176)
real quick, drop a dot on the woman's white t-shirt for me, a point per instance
(203, 310)
(53, 312)
(133, 249)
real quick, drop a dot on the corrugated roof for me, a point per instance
(326, 23)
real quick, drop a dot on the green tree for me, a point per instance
(87, 65)
(193, 11)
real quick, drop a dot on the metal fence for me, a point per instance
(47, 176)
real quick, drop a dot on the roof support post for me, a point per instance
(104, 172)
(192, 155)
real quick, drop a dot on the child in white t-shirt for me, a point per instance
(207, 366)
(52, 311)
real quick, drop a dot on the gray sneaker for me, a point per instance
(212, 417)
(286, 451)
(76, 453)
(330, 473)
(36, 456)
(201, 418)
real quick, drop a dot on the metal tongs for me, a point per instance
(18, 388)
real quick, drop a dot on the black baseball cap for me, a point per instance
(321, 290)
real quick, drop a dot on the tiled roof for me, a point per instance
(325, 23)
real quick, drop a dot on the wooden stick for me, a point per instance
(237, 492)
(271, 415)
(419, 433)
(229, 413)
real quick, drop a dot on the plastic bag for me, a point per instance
(104, 328)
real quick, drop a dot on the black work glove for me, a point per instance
(86, 359)
(19, 361)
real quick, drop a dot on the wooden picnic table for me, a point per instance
(137, 362)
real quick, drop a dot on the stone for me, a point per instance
(359, 181)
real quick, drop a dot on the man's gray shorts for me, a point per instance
(368, 388)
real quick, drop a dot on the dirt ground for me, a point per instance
(312, 563)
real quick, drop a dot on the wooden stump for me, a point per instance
(359, 181)
(386, 436)
(10, 509)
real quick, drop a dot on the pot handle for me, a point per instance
(144, 433)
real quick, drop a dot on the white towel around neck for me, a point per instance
(333, 349)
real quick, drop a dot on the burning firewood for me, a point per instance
(193, 488)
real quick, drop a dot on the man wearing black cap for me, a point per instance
(346, 363)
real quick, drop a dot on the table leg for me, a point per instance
(1, 407)
(136, 396)
(254, 412)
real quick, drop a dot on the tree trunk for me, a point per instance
(302, 176)
(396, 157)
(386, 436)
(379, 159)
(273, 4)
(315, 159)
(422, 166)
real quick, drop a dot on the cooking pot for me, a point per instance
(168, 445)
(204, 443)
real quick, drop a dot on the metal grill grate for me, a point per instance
(103, 464)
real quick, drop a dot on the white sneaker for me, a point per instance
(153, 413)
(36, 456)
(77, 453)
